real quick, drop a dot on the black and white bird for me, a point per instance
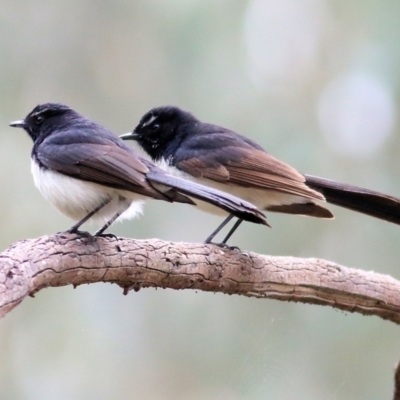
(220, 158)
(87, 172)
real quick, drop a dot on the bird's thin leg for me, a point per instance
(101, 230)
(225, 221)
(234, 227)
(75, 228)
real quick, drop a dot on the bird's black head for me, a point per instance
(161, 130)
(43, 119)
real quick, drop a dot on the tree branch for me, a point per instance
(396, 395)
(31, 265)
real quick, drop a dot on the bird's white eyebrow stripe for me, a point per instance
(151, 119)
(39, 112)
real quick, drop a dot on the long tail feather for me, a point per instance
(355, 198)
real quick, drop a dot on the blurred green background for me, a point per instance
(315, 82)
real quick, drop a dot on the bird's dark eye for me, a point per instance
(38, 119)
(155, 127)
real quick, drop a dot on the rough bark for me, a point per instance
(31, 265)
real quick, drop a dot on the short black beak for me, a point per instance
(18, 124)
(129, 136)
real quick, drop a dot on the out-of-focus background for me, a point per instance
(315, 82)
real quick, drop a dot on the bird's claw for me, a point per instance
(76, 232)
(224, 246)
(106, 235)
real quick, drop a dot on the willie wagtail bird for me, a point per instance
(220, 158)
(87, 172)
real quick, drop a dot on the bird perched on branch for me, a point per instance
(220, 158)
(87, 172)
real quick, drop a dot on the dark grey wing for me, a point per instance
(225, 156)
(105, 164)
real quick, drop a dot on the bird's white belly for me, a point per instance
(76, 198)
(261, 198)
